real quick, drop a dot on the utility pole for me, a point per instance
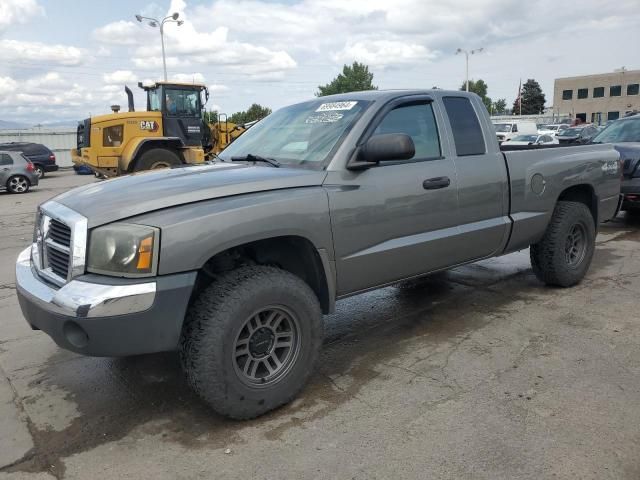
(153, 22)
(466, 55)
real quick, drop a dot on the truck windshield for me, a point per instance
(302, 134)
(502, 127)
(620, 131)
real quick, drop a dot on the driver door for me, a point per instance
(182, 116)
(395, 219)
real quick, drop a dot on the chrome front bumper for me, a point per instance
(104, 316)
(80, 298)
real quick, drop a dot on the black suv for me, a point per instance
(43, 159)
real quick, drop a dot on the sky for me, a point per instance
(65, 60)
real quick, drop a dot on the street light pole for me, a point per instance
(153, 22)
(466, 55)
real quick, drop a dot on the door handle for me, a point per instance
(436, 183)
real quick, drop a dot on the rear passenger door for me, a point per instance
(6, 163)
(483, 195)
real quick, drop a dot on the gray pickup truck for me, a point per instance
(234, 263)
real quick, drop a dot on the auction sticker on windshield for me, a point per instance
(326, 107)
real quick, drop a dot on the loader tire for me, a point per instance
(157, 158)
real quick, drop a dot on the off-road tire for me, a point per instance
(214, 322)
(157, 158)
(18, 184)
(549, 257)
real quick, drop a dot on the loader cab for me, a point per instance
(181, 105)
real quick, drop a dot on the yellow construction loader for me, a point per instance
(168, 133)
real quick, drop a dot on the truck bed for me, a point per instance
(539, 175)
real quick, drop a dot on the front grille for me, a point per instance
(58, 261)
(60, 233)
(60, 242)
(53, 240)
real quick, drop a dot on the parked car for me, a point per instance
(233, 264)
(624, 134)
(43, 159)
(507, 130)
(17, 173)
(532, 140)
(552, 129)
(581, 134)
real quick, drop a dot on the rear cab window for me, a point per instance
(465, 126)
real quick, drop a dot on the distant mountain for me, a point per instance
(5, 125)
(60, 123)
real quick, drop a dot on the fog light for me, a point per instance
(75, 334)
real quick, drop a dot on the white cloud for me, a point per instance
(120, 77)
(50, 82)
(155, 63)
(120, 33)
(43, 91)
(7, 86)
(382, 53)
(67, 55)
(218, 88)
(17, 11)
(188, 77)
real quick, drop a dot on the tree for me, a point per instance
(533, 99)
(500, 106)
(353, 78)
(210, 116)
(479, 87)
(255, 112)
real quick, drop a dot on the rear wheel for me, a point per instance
(564, 254)
(18, 184)
(39, 171)
(250, 340)
(157, 158)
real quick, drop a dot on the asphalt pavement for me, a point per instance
(478, 373)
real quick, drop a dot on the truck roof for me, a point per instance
(386, 95)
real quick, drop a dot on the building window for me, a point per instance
(596, 117)
(613, 115)
(615, 91)
(598, 92)
(633, 89)
(583, 92)
(567, 94)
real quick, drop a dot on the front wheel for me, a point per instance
(564, 254)
(250, 340)
(18, 184)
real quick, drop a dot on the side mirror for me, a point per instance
(388, 146)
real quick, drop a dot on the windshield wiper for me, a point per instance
(250, 157)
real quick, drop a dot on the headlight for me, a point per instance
(124, 250)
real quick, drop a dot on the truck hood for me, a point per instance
(119, 198)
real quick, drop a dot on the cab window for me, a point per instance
(419, 123)
(112, 136)
(154, 100)
(182, 103)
